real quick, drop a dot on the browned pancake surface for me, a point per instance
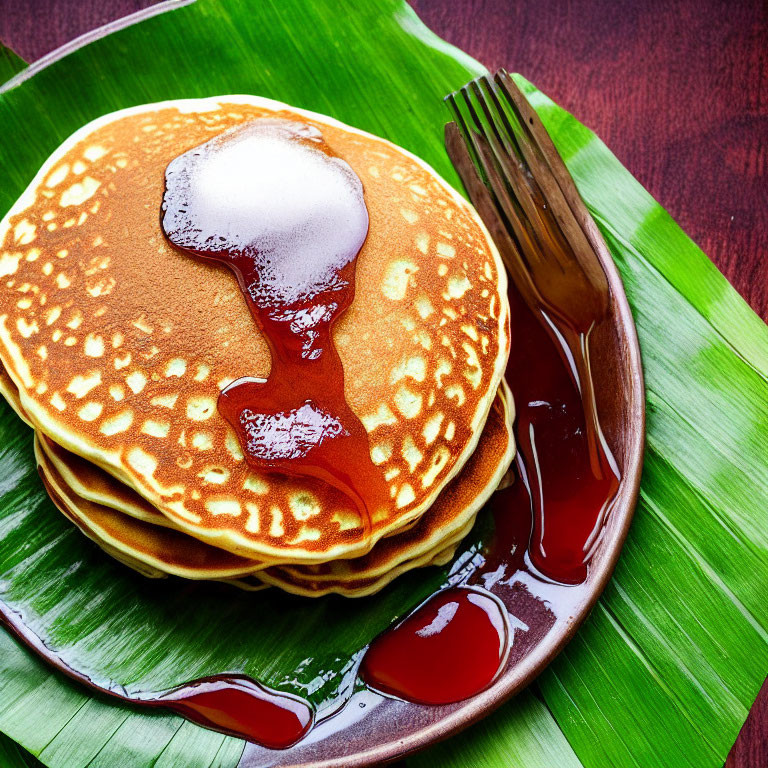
(155, 546)
(120, 344)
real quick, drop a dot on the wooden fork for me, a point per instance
(529, 202)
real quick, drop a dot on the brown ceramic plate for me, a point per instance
(371, 728)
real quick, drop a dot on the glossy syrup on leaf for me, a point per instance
(546, 524)
(239, 706)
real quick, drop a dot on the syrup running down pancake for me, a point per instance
(272, 202)
(148, 542)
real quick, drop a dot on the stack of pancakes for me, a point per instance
(115, 346)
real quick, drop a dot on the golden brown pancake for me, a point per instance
(155, 547)
(11, 394)
(435, 535)
(359, 577)
(119, 344)
(357, 587)
(81, 476)
(94, 484)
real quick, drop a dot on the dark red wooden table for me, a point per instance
(677, 88)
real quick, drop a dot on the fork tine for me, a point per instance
(515, 140)
(557, 229)
(493, 198)
(505, 206)
(472, 140)
(513, 206)
(513, 191)
(552, 242)
(504, 144)
(490, 88)
(463, 130)
(486, 94)
(533, 155)
(540, 220)
(463, 153)
(530, 122)
(498, 205)
(480, 87)
(544, 160)
(508, 161)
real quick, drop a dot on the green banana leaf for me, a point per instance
(13, 756)
(10, 64)
(664, 671)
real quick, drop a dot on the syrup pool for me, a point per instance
(239, 706)
(546, 528)
(567, 472)
(448, 649)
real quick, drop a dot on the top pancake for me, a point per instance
(120, 344)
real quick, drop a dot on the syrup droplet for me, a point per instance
(240, 707)
(287, 216)
(448, 649)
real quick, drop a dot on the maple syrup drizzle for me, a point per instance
(272, 202)
(547, 523)
(450, 648)
(231, 704)
(567, 470)
(455, 643)
(238, 706)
